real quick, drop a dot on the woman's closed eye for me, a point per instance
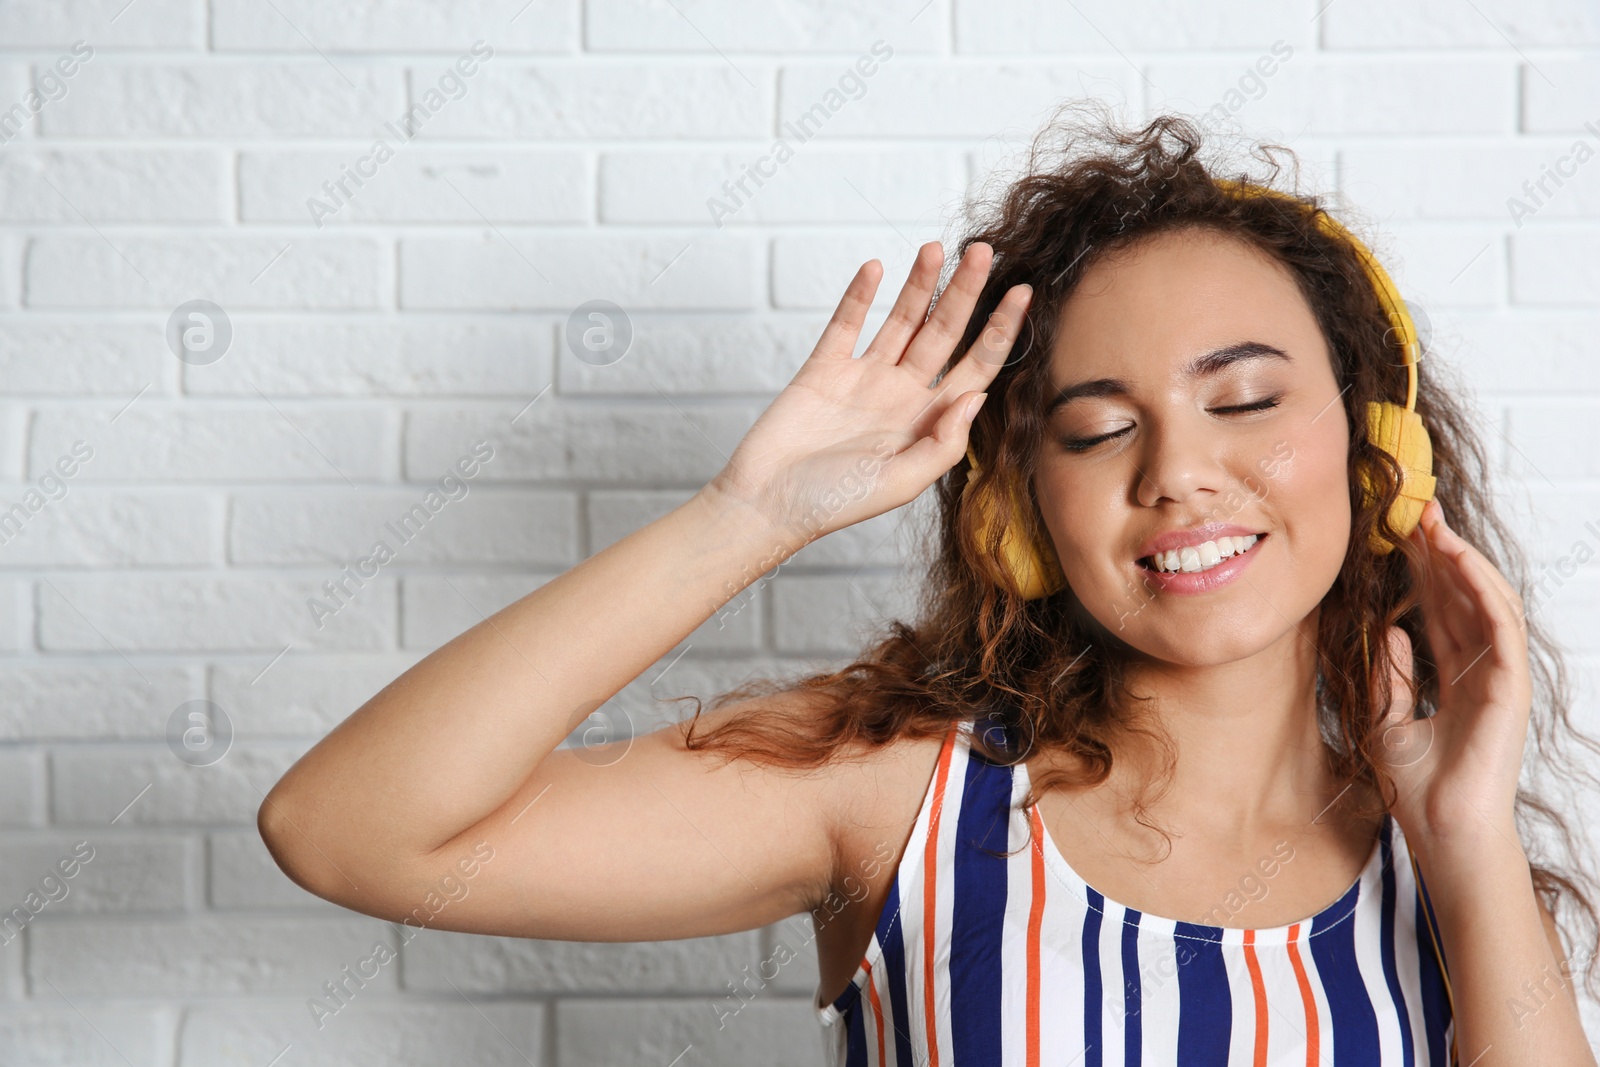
(1083, 444)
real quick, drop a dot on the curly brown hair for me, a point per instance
(1045, 668)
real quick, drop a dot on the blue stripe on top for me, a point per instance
(1094, 1054)
(979, 911)
(1132, 1025)
(894, 962)
(1333, 948)
(1391, 973)
(1205, 1002)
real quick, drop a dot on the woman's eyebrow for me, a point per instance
(1204, 364)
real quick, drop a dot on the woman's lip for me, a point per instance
(1190, 582)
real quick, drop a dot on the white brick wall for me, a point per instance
(424, 309)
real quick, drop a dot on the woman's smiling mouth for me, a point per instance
(1199, 558)
(1199, 568)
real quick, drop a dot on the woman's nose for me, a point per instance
(1176, 462)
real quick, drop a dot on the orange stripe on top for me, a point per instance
(930, 878)
(1313, 1051)
(1258, 988)
(1035, 924)
(877, 1010)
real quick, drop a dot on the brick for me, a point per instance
(114, 872)
(397, 26)
(10, 271)
(16, 616)
(306, 99)
(113, 185)
(812, 270)
(160, 273)
(698, 354)
(301, 695)
(21, 787)
(781, 1031)
(599, 99)
(46, 355)
(1555, 440)
(154, 441)
(1321, 98)
(91, 784)
(813, 186)
(1013, 26)
(1472, 181)
(434, 608)
(205, 955)
(512, 270)
(230, 613)
(13, 440)
(1436, 24)
(1568, 105)
(1555, 267)
(359, 356)
(787, 27)
(86, 701)
(1560, 534)
(789, 944)
(472, 525)
(1526, 351)
(1573, 612)
(640, 442)
(934, 98)
(89, 527)
(16, 117)
(59, 1035)
(60, 23)
(243, 876)
(436, 961)
(416, 185)
(820, 615)
(1440, 268)
(373, 1031)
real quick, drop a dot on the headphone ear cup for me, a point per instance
(1034, 568)
(1400, 432)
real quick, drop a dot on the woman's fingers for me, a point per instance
(1444, 602)
(1497, 606)
(930, 349)
(910, 307)
(838, 340)
(978, 367)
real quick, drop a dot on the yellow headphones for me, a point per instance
(1395, 429)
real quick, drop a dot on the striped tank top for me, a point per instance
(979, 959)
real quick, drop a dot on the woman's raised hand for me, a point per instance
(852, 438)
(1458, 770)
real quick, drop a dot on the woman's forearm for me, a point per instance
(1514, 1001)
(451, 739)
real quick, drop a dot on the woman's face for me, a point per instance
(1181, 457)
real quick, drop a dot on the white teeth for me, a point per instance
(1203, 556)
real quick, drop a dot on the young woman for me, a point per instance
(1265, 809)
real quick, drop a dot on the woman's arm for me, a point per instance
(454, 767)
(1456, 773)
(1515, 1000)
